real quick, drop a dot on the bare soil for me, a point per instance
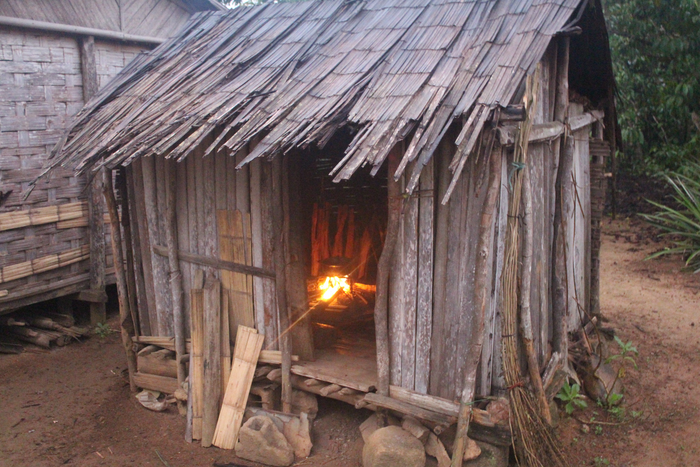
(72, 406)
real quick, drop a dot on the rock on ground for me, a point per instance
(260, 441)
(303, 402)
(297, 433)
(392, 446)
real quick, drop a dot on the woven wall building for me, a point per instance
(53, 57)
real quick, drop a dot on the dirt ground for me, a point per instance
(71, 406)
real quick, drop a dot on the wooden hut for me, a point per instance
(53, 57)
(398, 144)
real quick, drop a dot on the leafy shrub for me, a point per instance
(681, 219)
(572, 397)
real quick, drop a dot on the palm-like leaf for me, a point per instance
(682, 224)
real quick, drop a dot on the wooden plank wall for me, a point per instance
(411, 290)
(206, 185)
(455, 309)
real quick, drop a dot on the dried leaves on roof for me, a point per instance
(291, 74)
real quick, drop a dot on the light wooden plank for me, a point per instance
(211, 359)
(245, 357)
(197, 368)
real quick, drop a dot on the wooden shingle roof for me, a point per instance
(294, 73)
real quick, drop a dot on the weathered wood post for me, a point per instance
(125, 322)
(98, 312)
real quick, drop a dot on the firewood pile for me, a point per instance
(43, 329)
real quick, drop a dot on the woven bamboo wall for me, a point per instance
(40, 90)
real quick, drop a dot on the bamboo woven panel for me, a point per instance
(38, 216)
(245, 358)
(43, 264)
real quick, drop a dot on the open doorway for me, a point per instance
(344, 227)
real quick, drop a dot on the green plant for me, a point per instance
(598, 430)
(572, 397)
(103, 330)
(681, 219)
(600, 461)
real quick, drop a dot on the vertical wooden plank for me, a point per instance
(199, 199)
(139, 265)
(396, 306)
(210, 239)
(212, 359)
(225, 343)
(242, 183)
(145, 246)
(441, 157)
(231, 183)
(257, 243)
(410, 280)
(302, 336)
(424, 312)
(279, 234)
(160, 279)
(271, 317)
(220, 183)
(192, 208)
(197, 362)
(492, 380)
(183, 233)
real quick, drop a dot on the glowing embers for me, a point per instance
(331, 285)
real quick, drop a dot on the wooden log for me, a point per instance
(482, 289)
(211, 359)
(409, 409)
(32, 336)
(125, 322)
(174, 267)
(330, 389)
(275, 375)
(381, 321)
(153, 365)
(197, 353)
(156, 383)
(245, 357)
(279, 232)
(216, 263)
(525, 291)
(274, 357)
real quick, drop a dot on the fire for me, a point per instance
(332, 284)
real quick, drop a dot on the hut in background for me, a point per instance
(54, 56)
(427, 115)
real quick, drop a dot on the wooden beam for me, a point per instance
(409, 409)
(125, 322)
(92, 296)
(204, 260)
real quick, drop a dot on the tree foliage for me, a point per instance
(656, 57)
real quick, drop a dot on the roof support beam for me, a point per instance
(77, 30)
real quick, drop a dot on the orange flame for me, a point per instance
(331, 285)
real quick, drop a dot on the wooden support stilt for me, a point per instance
(482, 289)
(127, 325)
